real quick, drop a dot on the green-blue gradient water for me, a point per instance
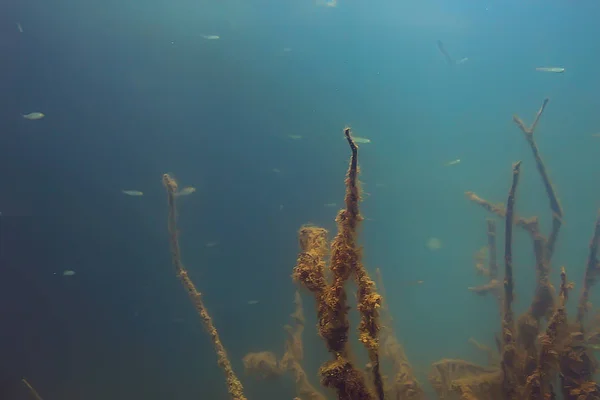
(133, 89)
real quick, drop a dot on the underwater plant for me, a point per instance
(540, 355)
(234, 386)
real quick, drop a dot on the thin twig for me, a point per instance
(557, 212)
(509, 350)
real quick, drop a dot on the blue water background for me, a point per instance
(132, 90)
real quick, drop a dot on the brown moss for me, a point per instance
(234, 386)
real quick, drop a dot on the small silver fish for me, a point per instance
(211, 37)
(19, 27)
(556, 70)
(186, 191)
(68, 272)
(358, 139)
(327, 3)
(133, 192)
(34, 115)
(453, 162)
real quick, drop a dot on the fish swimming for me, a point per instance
(132, 192)
(358, 139)
(34, 115)
(186, 191)
(556, 70)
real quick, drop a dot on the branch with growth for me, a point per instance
(510, 356)
(541, 354)
(403, 383)
(331, 298)
(264, 365)
(557, 212)
(234, 386)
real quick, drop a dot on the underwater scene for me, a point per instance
(301, 200)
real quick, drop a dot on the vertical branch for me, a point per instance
(577, 364)
(369, 301)
(539, 383)
(509, 350)
(543, 300)
(332, 309)
(234, 386)
(557, 212)
(591, 273)
(508, 265)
